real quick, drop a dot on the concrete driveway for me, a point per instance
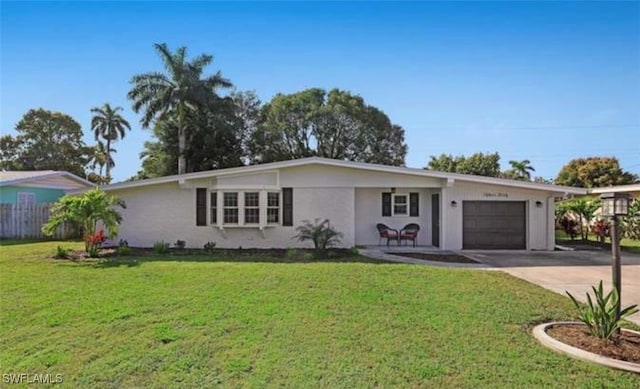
(573, 271)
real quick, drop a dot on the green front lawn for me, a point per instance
(628, 245)
(187, 322)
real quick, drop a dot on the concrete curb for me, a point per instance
(540, 333)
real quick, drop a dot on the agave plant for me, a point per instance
(601, 318)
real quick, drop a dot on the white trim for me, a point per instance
(449, 177)
(614, 189)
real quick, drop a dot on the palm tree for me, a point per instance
(109, 125)
(522, 169)
(176, 93)
(102, 158)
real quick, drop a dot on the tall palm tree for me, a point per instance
(108, 124)
(522, 169)
(181, 90)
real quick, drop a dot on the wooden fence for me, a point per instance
(25, 222)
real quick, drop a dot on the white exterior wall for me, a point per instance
(539, 223)
(167, 212)
(350, 198)
(368, 213)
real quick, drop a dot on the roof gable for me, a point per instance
(44, 179)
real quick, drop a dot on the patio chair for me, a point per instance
(385, 231)
(409, 232)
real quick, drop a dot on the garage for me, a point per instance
(488, 225)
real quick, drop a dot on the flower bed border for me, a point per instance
(540, 333)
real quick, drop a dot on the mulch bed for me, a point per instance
(625, 348)
(451, 258)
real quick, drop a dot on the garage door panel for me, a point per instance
(494, 225)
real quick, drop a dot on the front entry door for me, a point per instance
(435, 220)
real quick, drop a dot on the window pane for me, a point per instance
(251, 199)
(231, 199)
(273, 215)
(400, 199)
(231, 215)
(273, 199)
(400, 209)
(252, 215)
(214, 199)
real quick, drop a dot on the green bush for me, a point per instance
(320, 233)
(61, 253)
(123, 248)
(353, 251)
(161, 247)
(180, 244)
(209, 247)
(291, 253)
(601, 318)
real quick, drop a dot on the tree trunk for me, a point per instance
(108, 156)
(182, 168)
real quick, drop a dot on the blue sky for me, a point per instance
(536, 80)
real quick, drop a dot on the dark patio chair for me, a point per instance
(409, 232)
(387, 232)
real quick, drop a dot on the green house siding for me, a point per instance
(9, 194)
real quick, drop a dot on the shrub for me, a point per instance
(93, 243)
(61, 253)
(601, 229)
(180, 244)
(291, 253)
(209, 246)
(123, 248)
(569, 226)
(353, 251)
(161, 247)
(630, 224)
(320, 233)
(601, 317)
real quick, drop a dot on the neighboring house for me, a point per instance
(259, 206)
(633, 190)
(35, 187)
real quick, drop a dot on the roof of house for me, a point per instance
(615, 189)
(44, 178)
(346, 164)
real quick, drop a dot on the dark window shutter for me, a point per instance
(201, 206)
(414, 204)
(287, 206)
(386, 204)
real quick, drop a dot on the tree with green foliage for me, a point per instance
(337, 124)
(478, 164)
(46, 140)
(89, 210)
(593, 172)
(177, 94)
(215, 142)
(109, 125)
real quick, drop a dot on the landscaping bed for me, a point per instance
(449, 258)
(626, 347)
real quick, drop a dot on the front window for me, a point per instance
(231, 208)
(273, 207)
(400, 205)
(252, 207)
